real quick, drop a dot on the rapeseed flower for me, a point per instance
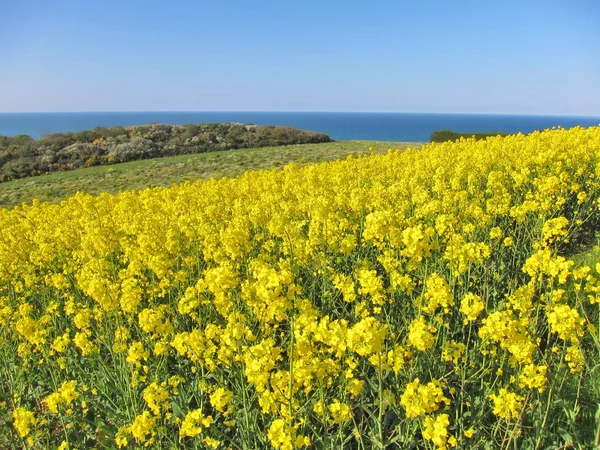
(507, 405)
(23, 421)
(420, 334)
(194, 423)
(419, 399)
(471, 306)
(566, 322)
(302, 298)
(436, 431)
(65, 395)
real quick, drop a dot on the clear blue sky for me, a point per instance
(509, 56)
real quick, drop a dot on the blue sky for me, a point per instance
(511, 56)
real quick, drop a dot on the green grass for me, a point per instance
(589, 257)
(172, 170)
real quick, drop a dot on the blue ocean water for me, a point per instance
(413, 127)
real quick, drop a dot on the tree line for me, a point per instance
(449, 135)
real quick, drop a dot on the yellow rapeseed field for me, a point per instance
(419, 299)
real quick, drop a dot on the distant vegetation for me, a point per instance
(22, 156)
(449, 135)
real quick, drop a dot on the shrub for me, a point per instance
(449, 135)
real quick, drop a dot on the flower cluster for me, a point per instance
(424, 301)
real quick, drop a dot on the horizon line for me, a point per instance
(308, 111)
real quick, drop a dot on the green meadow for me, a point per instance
(171, 170)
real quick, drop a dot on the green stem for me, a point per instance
(245, 401)
(380, 417)
(540, 430)
(291, 382)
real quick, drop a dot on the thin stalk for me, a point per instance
(539, 439)
(291, 381)
(245, 401)
(380, 417)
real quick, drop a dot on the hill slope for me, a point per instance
(21, 156)
(171, 170)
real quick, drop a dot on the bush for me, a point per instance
(136, 148)
(449, 135)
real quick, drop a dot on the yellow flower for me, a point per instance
(136, 354)
(155, 322)
(566, 322)
(211, 443)
(23, 421)
(419, 399)
(340, 412)
(285, 437)
(308, 283)
(511, 332)
(345, 285)
(65, 395)
(453, 351)
(533, 377)
(370, 283)
(367, 336)
(220, 398)
(555, 229)
(121, 436)
(471, 306)
(420, 334)
(508, 242)
(507, 405)
(193, 423)
(355, 387)
(436, 431)
(575, 358)
(259, 360)
(437, 294)
(142, 427)
(61, 342)
(83, 342)
(156, 397)
(319, 408)
(496, 233)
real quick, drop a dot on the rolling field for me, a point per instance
(416, 299)
(170, 170)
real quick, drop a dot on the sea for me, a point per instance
(408, 127)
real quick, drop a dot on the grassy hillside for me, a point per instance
(167, 171)
(591, 256)
(21, 156)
